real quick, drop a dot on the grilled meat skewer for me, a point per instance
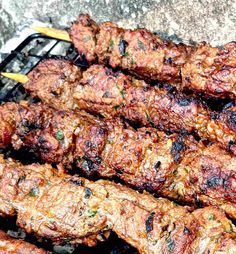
(203, 68)
(10, 245)
(114, 94)
(174, 166)
(69, 208)
(100, 90)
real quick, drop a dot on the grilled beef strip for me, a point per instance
(101, 90)
(202, 68)
(9, 245)
(67, 208)
(175, 166)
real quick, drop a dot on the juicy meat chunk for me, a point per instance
(211, 69)
(54, 79)
(58, 136)
(141, 52)
(84, 32)
(174, 166)
(111, 93)
(10, 245)
(70, 208)
(203, 68)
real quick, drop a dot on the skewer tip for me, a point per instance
(52, 32)
(21, 78)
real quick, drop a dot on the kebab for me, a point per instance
(174, 166)
(66, 208)
(9, 245)
(101, 90)
(203, 68)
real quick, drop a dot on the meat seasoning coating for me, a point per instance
(174, 166)
(202, 68)
(57, 207)
(101, 90)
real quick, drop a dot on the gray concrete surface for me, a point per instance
(194, 20)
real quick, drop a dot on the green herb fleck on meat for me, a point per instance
(132, 61)
(85, 165)
(59, 135)
(186, 170)
(148, 117)
(111, 44)
(110, 141)
(34, 192)
(91, 213)
(48, 183)
(126, 54)
(122, 92)
(170, 244)
(141, 45)
(172, 186)
(106, 94)
(117, 107)
(175, 172)
(211, 216)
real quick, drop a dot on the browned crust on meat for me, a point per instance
(174, 166)
(111, 93)
(9, 245)
(53, 81)
(58, 136)
(83, 31)
(141, 52)
(211, 70)
(66, 208)
(202, 68)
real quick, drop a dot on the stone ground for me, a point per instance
(194, 20)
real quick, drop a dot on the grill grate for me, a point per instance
(27, 55)
(23, 59)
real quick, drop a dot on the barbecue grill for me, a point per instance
(23, 59)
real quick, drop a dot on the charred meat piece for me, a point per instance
(110, 93)
(203, 68)
(139, 51)
(211, 69)
(9, 245)
(84, 31)
(57, 79)
(101, 90)
(57, 136)
(174, 166)
(58, 207)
